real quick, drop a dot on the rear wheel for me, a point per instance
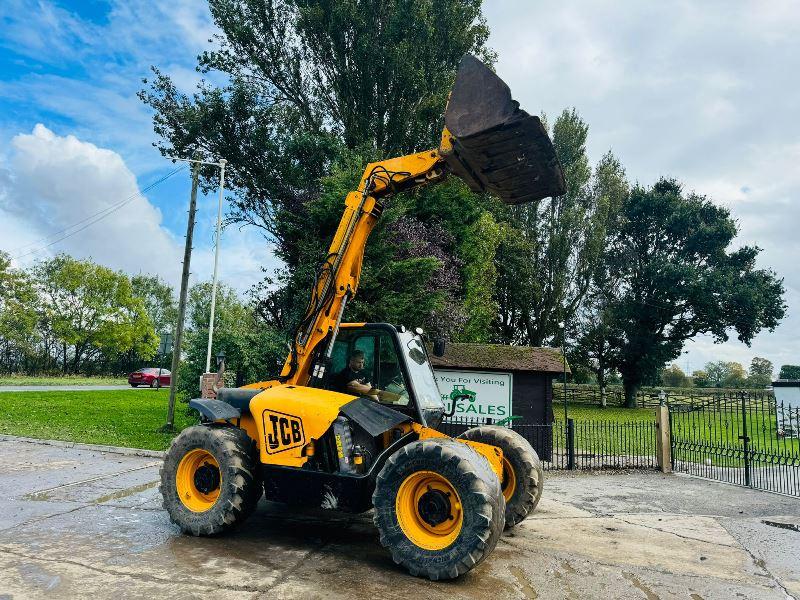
(523, 477)
(155, 384)
(209, 480)
(438, 508)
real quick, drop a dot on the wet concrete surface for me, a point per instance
(78, 523)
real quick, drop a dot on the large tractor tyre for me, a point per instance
(439, 509)
(523, 478)
(210, 480)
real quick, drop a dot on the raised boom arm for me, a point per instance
(494, 147)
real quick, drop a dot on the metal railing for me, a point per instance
(582, 444)
(754, 442)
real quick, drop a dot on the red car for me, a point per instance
(150, 377)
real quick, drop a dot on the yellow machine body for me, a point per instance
(290, 418)
(286, 420)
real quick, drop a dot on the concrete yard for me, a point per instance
(80, 523)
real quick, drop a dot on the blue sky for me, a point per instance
(703, 91)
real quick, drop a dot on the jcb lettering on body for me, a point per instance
(282, 432)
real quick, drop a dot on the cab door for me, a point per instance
(382, 365)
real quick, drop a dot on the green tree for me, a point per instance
(254, 351)
(550, 256)
(18, 302)
(676, 278)
(314, 91)
(718, 372)
(789, 372)
(91, 308)
(673, 376)
(701, 379)
(159, 301)
(725, 374)
(480, 279)
(306, 77)
(760, 372)
(597, 340)
(737, 376)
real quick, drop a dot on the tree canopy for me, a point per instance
(92, 309)
(676, 278)
(314, 91)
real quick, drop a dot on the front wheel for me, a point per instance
(209, 480)
(523, 477)
(439, 509)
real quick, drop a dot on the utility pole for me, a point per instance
(222, 164)
(187, 257)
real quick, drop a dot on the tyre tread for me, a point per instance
(238, 458)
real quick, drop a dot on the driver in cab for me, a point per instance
(353, 380)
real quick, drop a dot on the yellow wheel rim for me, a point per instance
(198, 480)
(429, 510)
(509, 483)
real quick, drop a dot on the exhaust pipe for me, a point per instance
(495, 146)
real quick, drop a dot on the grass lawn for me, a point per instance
(128, 418)
(615, 414)
(703, 436)
(607, 431)
(65, 380)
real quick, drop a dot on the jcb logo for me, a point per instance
(282, 432)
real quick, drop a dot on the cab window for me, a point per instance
(381, 364)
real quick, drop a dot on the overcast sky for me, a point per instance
(706, 92)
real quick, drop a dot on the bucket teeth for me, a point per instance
(496, 146)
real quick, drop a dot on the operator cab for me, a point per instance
(395, 364)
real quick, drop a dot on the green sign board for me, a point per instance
(478, 395)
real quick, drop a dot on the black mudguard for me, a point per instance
(214, 410)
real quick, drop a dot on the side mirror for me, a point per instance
(439, 345)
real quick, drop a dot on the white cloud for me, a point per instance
(52, 183)
(56, 182)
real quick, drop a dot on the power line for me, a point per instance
(92, 219)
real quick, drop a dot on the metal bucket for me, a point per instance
(496, 146)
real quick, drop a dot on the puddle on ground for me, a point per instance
(650, 594)
(522, 579)
(126, 492)
(568, 567)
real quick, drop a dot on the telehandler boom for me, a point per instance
(351, 422)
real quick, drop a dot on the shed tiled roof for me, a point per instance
(500, 357)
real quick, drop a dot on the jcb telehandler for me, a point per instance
(440, 503)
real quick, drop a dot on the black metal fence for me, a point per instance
(748, 440)
(582, 444)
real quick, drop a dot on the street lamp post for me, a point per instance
(563, 327)
(221, 164)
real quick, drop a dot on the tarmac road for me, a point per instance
(65, 388)
(79, 523)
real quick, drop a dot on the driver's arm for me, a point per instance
(359, 389)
